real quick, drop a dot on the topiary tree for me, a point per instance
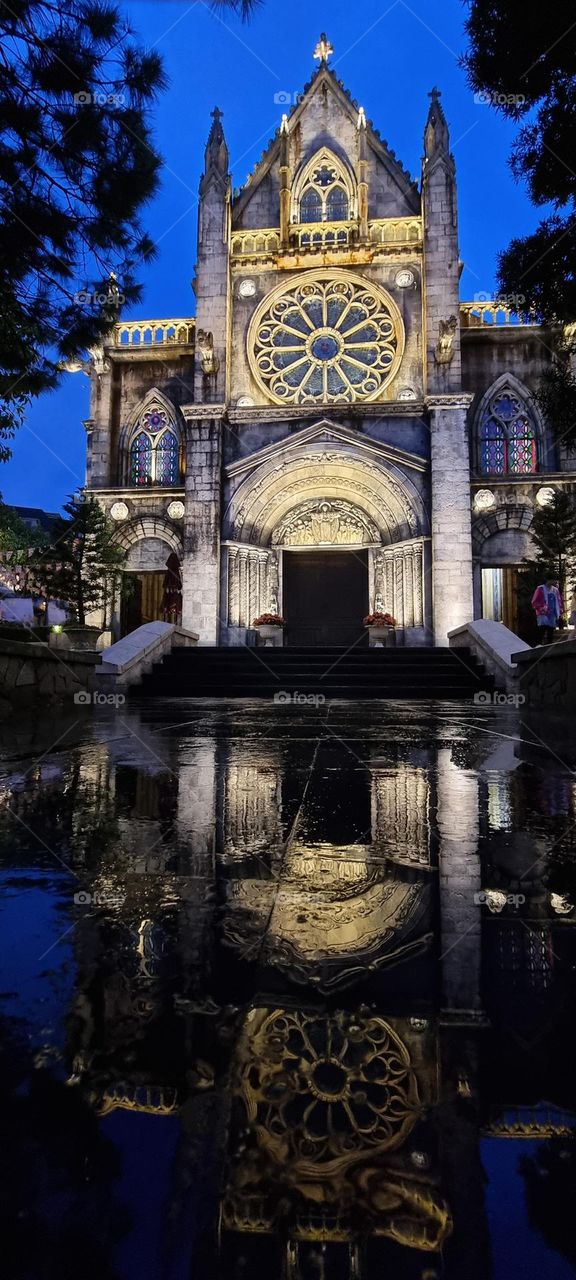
(82, 564)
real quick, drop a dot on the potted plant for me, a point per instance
(269, 629)
(81, 568)
(380, 628)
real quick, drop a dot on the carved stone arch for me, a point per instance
(153, 398)
(507, 382)
(325, 468)
(145, 533)
(324, 155)
(517, 516)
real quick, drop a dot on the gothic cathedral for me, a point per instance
(335, 432)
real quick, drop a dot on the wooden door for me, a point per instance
(325, 597)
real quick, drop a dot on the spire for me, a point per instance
(216, 154)
(323, 49)
(436, 135)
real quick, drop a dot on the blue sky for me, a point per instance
(389, 56)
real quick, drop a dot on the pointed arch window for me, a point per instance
(507, 437)
(324, 197)
(154, 454)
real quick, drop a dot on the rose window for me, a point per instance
(329, 337)
(327, 1088)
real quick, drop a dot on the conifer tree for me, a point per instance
(82, 564)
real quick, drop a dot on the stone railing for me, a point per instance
(125, 662)
(324, 237)
(262, 243)
(547, 676)
(153, 333)
(474, 314)
(385, 231)
(495, 646)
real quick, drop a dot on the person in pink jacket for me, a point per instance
(547, 605)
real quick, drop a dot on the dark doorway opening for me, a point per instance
(325, 596)
(141, 600)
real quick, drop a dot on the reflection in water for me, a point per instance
(301, 976)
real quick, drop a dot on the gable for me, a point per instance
(325, 117)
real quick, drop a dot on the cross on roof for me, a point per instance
(323, 49)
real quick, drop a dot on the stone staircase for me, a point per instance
(334, 673)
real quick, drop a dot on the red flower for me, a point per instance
(268, 620)
(379, 620)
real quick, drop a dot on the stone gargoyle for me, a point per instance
(444, 352)
(209, 362)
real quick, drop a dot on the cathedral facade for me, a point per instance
(335, 432)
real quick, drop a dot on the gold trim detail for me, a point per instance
(329, 337)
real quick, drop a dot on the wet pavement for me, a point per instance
(287, 992)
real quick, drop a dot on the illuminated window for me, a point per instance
(507, 437)
(167, 461)
(324, 198)
(141, 460)
(154, 451)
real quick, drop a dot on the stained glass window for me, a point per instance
(154, 451)
(336, 205)
(324, 198)
(507, 437)
(329, 337)
(167, 459)
(311, 206)
(141, 460)
(522, 447)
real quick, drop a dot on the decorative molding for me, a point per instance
(266, 413)
(192, 412)
(458, 400)
(484, 500)
(119, 511)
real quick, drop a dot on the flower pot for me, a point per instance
(77, 638)
(380, 636)
(269, 635)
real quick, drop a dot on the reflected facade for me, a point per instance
(339, 960)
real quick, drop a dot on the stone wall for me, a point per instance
(32, 673)
(547, 676)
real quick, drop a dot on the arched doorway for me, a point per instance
(324, 528)
(149, 543)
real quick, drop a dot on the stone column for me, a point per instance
(201, 559)
(451, 520)
(101, 470)
(233, 588)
